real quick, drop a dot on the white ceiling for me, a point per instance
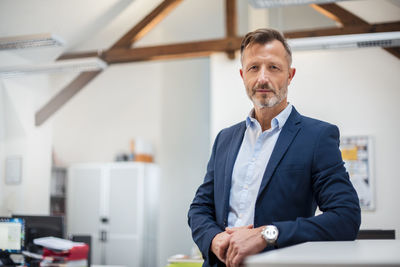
(97, 24)
(74, 21)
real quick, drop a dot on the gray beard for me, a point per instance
(271, 102)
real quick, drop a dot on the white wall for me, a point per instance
(122, 103)
(229, 101)
(20, 99)
(356, 89)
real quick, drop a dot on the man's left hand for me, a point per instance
(243, 242)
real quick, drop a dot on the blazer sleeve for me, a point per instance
(201, 216)
(333, 193)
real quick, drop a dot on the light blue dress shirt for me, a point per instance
(250, 165)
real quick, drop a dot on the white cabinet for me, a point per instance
(115, 203)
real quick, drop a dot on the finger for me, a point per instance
(230, 230)
(219, 245)
(232, 251)
(228, 263)
(228, 254)
(220, 254)
(236, 262)
(223, 249)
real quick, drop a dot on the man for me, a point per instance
(267, 175)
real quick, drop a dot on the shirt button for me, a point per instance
(246, 186)
(240, 215)
(253, 159)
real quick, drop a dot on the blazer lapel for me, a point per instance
(288, 133)
(234, 146)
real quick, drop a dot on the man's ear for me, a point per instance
(241, 73)
(292, 72)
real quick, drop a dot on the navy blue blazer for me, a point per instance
(305, 170)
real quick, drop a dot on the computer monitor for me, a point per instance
(41, 226)
(12, 235)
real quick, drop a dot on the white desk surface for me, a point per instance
(343, 253)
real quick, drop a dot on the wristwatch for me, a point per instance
(270, 234)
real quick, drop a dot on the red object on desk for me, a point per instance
(75, 253)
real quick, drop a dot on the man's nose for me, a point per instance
(262, 76)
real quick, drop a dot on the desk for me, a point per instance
(346, 253)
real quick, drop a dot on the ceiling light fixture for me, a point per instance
(279, 3)
(68, 65)
(382, 39)
(30, 41)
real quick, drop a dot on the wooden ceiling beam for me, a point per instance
(180, 50)
(81, 55)
(146, 24)
(382, 27)
(231, 23)
(395, 51)
(63, 96)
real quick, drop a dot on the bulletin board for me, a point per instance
(357, 155)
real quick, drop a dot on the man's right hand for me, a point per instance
(220, 242)
(219, 245)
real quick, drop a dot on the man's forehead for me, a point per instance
(272, 49)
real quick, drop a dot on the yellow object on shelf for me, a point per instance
(184, 261)
(185, 264)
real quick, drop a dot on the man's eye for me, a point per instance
(253, 68)
(273, 67)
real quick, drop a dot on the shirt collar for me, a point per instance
(278, 121)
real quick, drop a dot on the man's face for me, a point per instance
(266, 73)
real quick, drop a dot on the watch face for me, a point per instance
(271, 233)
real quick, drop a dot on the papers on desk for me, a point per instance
(56, 243)
(58, 250)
